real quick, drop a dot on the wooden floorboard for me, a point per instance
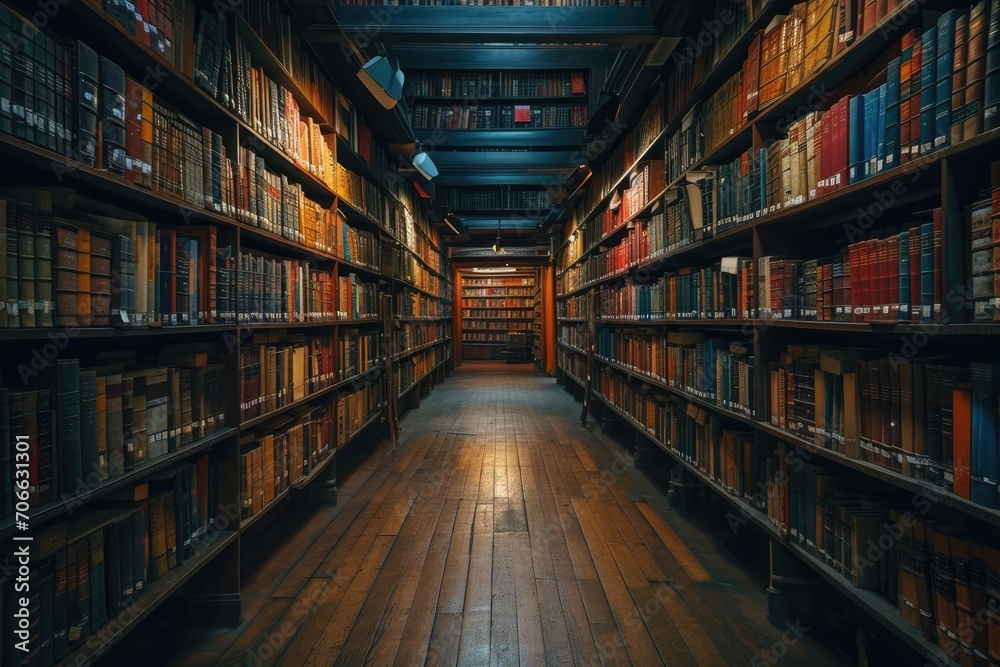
(498, 532)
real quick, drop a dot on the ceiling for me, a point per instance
(619, 49)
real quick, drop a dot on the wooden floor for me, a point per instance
(500, 532)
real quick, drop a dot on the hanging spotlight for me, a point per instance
(424, 165)
(384, 79)
(498, 247)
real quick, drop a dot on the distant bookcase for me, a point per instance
(499, 316)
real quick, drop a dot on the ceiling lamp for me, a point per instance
(384, 79)
(497, 247)
(424, 165)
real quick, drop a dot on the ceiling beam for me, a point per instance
(479, 24)
(485, 161)
(522, 56)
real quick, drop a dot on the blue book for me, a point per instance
(892, 91)
(880, 130)
(871, 117)
(991, 101)
(985, 432)
(856, 136)
(942, 95)
(928, 81)
(927, 273)
(946, 30)
(904, 276)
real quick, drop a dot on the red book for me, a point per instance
(892, 270)
(842, 143)
(867, 284)
(962, 439)
(133, 131)
(522, 113)
(904, 130)
(881, 260)
(826, 151)
(142, 19)
(870, 14)
(857, 289)
(576, 84)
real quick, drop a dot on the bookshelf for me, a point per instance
(783, 344)
(487, 99)
(198, 296)
(501, 316)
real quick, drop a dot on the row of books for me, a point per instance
(275, 374)
(443, 83)
(478, 325)
(937, 572)
(411, 335)
(645, 182)
(781, 57)
(639, 138)
(714, 370)
(575, 307)
(574, 335)
(273, 459)
(87, 571)
(400, 263)
(225, 69)
(573, 364)
(165, 27)
(282, 290)
(270, 201)
(358, 352)
(495, 314)
(491, 200)
(896, 279)
(720, 291)
(499, 302)
(932, 419)
(355, 409)
(507, 283)
(273, 112)
(362, 194)
(274, 28)
(87, 424)
(414, 368)
(469, 291)
(695, 60)
(503, 116)
(614, 262)
(934, 571)
(479, 337)
(409, 303)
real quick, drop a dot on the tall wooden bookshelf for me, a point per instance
(827, 396)
(500, 316)
(171, 409)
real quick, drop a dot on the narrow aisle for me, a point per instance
(501, 533)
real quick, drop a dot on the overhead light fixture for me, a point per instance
(424, 165)
(497, 247)
(384, 79)
(453, 223)
(495, 269)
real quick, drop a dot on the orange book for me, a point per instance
(962, 439)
